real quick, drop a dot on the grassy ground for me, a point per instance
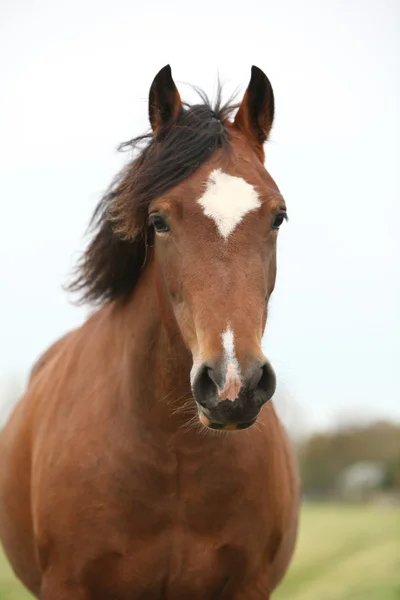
(344, 553)
(10, 589)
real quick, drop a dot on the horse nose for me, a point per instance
(228, 394)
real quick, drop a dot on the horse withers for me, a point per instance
(145, 460)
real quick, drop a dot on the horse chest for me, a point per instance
(189, 536)
(176, 566)
(196, 502)
(196, 540)
(169, 528)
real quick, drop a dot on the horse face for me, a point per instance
(215, 246)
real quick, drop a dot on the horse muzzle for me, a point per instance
(228, 399)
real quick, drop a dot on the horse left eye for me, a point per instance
(159, 223)
(278, 220)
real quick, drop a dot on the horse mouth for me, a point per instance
(206, 421)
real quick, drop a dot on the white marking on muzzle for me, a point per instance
(227, 200)
(232, 384)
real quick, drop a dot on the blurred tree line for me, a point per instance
(331, 462)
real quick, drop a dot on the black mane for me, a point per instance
(111, 265)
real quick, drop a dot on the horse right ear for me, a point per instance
(165, 103)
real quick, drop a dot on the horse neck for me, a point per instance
(155, 362)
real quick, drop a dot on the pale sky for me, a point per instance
(74, 82)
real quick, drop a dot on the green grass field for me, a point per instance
(344, 553)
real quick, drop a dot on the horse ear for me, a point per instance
(256, 111)
(165, 103)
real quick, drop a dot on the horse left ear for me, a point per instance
(256, 111)
(165, 103)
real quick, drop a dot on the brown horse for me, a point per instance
(121, 477)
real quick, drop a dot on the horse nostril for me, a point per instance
(212, 375)
(205, 387)
(265, 388)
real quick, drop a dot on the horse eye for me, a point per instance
(159, 223)
(278, 220)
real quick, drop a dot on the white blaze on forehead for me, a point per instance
(227, 200)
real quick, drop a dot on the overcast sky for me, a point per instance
(74, 79)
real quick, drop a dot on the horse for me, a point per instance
(145, 460)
